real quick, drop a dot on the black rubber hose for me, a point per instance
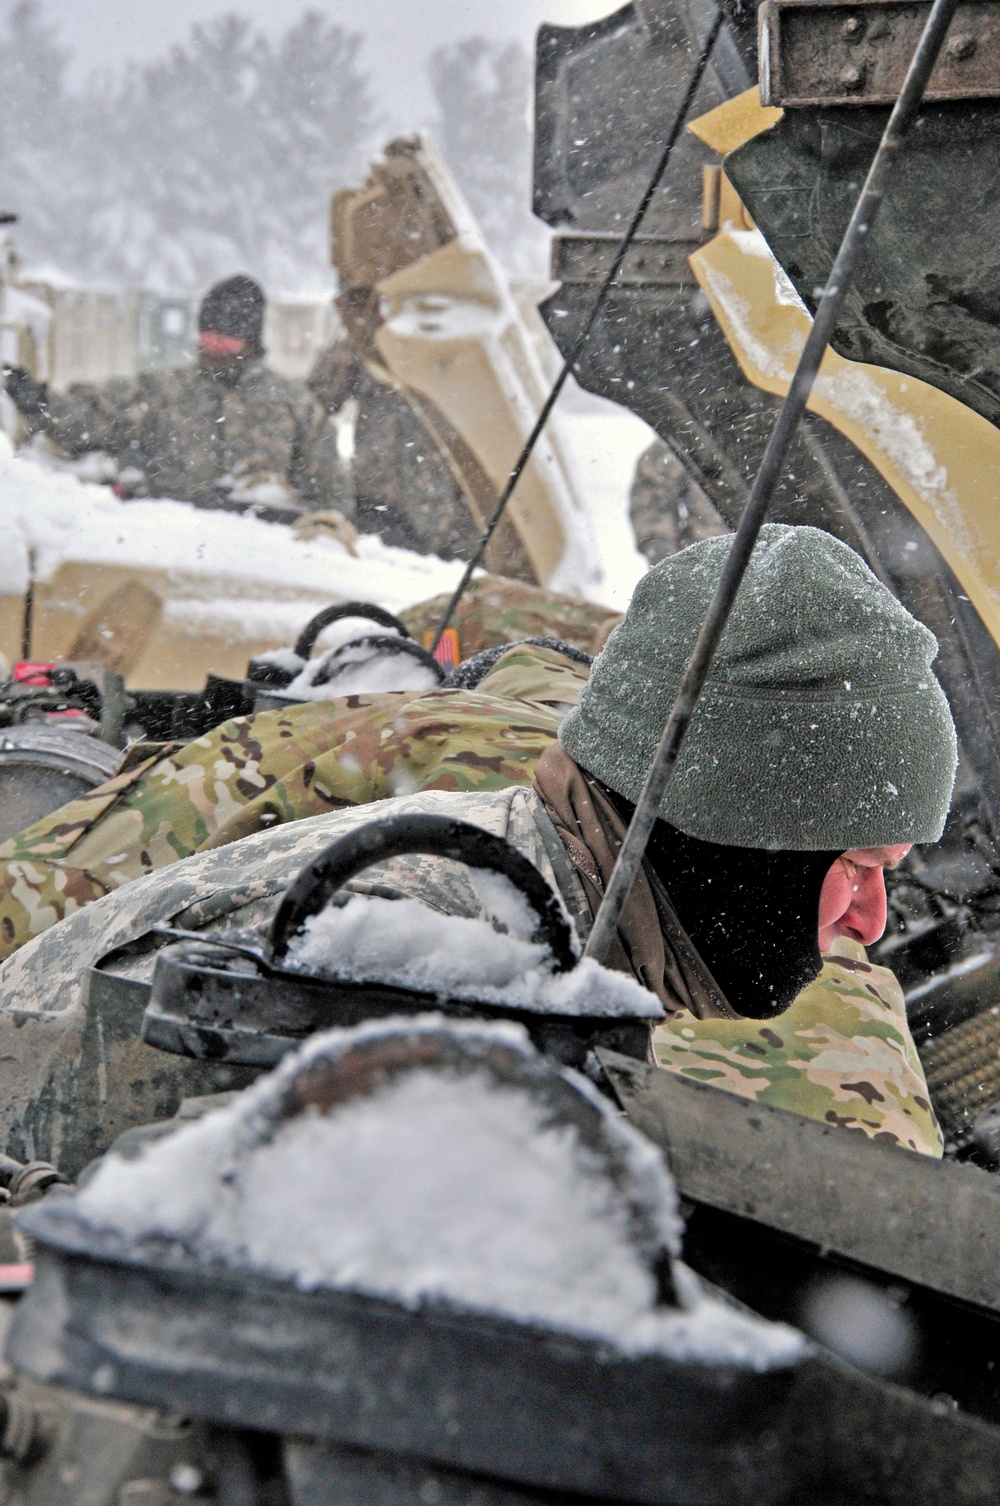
(306, 640)
(433, 836)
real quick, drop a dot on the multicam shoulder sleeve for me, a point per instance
(842, 1053)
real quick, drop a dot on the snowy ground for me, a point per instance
(217, 565)
(606, 441)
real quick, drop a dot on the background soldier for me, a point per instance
(667, 509)
(401, 485)
(223, 432)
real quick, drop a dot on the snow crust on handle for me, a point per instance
(409, 945)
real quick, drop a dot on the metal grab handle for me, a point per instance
(306, 641)
(405, 646)
(433, 836)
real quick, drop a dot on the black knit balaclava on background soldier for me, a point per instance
(235, 307)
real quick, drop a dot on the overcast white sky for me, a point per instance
(399, 33)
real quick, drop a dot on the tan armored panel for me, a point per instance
(398, 217)
(940, 458)
(430, 311)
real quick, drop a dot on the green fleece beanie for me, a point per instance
(821, 725)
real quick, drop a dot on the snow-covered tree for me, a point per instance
(219, 156)
(482, 90)
(37, 117)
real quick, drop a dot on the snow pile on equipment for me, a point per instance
(428, 1162)
(58, 517)
(405, 943)
(361, 668)
(361, 661)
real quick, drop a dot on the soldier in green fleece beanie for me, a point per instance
(821, 749)
(821, 726)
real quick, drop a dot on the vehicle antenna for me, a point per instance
(865, 211)
(573, 358)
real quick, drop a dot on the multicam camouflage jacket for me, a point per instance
(842, 1053)
(187, 430)
(494, 610)
(256, 772)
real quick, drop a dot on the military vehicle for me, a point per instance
(453, 352)
(151, 1369)
(700, 334)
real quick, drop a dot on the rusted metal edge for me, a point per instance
(826, 52)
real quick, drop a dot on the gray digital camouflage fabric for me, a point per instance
(187, 430)
(75, 1073)
(668, 510)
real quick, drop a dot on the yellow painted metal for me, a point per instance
(209, 623)
(738, 120)
(940, 458)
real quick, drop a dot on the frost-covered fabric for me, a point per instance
(821, 725)
(842, 1053)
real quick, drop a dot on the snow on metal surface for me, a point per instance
(355, 668)
(59, 518)
(405, 943)
(62, 517)
(436, 1185)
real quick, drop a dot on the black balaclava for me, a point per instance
(235, 307)
(752, 914)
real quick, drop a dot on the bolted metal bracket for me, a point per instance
(814, 52)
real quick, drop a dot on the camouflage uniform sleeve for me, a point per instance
(842, 1053)
(95, 418)
(537, 677)
(317, 472)
(255, 773)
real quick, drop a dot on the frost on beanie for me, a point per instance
(821, 725)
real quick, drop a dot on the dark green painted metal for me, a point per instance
(926, 298)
